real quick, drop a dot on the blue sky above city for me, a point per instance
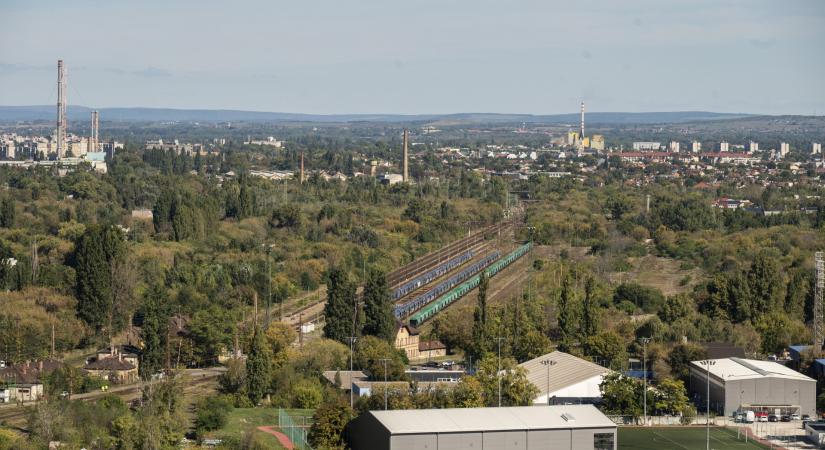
(427, 56)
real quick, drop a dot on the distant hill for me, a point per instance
(33, 113)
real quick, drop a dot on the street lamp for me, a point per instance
(498, 374)
(548, 363)
(645, 340)
(385, 360)
(707, 363)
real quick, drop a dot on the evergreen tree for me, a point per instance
(568, 317)
(765, 283)
(258, 368)
(339, 311)
(590, 314)
(97, 252)
(155, 330)
(380, 321)
(7, 213)
(481, 342)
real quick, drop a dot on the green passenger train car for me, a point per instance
(462, 289)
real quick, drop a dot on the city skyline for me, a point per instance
(428, 58)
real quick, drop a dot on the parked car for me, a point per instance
(761, 417)
(794, 416)
(785, 418)
(806, 417)
(749, 417)
(773, 418)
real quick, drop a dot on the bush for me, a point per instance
(306, 394)
(211, 413)
(646, 298)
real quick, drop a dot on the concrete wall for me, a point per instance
(585, 391)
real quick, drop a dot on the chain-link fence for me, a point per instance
(295, 427)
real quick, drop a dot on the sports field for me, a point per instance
(681, 438)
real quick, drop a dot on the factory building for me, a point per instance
(563, 378)
(751, 385)
(575, 427)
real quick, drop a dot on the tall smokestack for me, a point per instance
(406, 174)
(581, 128)
(95, 138)
(302, 167)
(61, 109)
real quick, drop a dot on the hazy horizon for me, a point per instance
(327, 58)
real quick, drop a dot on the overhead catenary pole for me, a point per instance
(385, 360)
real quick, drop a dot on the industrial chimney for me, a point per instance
(581, 127)
(302, 167)
(406, 174)
(95, 138)
(61, 109)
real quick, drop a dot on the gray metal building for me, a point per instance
(752, 385)
(569, 427)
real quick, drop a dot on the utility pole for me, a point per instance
(385, 360)
(707, 363)
(351, 342)
(498, 374)
(645, 340)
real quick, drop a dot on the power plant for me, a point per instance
(61, 109)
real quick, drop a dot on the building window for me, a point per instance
(603, 441)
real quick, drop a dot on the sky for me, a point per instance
(419, 56)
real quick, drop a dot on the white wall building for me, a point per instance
(695, 146)
(674, 146)
(753, 147)
(816, 148)
(784, 149)
(572, 379)
(724, 146)
(638, 146)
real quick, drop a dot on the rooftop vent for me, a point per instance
(568, 417)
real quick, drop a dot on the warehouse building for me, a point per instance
(574, 427)
(566, 378)
(751, 385)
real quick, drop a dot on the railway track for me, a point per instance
(431, 260)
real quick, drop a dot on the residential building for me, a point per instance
(724, 147)
(407, 338)
(571, 379)
(784, 149)
(753, 147)
(695, 146)
(673, 147)
(24, 382)
(574, 427)
(652, 146)
(816, 148)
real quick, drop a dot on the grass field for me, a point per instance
(681, 438)
(242, 420)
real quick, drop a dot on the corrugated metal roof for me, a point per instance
(567, 371)
(744, 369)
(456, 420)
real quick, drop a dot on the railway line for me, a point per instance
(431, 260)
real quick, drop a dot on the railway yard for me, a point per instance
(430, 283)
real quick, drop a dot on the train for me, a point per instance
(445, 300)
(431, 274)
(421, 300)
